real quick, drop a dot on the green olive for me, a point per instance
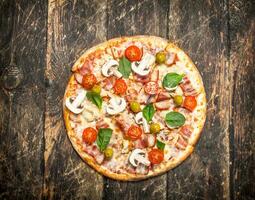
(135, 107)
(160, 57)
(178, 100)
(154, 128)
(96, 89)
(108, 153)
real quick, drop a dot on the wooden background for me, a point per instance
(39, 42)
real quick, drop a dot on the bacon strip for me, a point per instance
(163, 95)
(181, 143)
(86, 68)
(95, 153)
(122, 124)
(187, 87)
(101, 124)
(109, 82)
(186, 131)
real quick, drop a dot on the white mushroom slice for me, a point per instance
(138, 156)
(74, 104)
(143, 68)
(116, 105)
(139, 119)
(110, 68)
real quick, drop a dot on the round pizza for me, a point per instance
(134, 107)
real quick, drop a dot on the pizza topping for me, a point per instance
(126, 146)
(116, 105)
(78, 77)
(163, 95)
(181, 143)
(103, 139)
(101, 123)
(139, 119)
(160, 57)
(89, 135)
(120, 86)
(133, 53)
(93, 151)
(171, 81)
(135, 106)
(187, 87)
(143, 68)
(108, 153)
(90, 113)
(186, 131)
(148, 112)
(154, 128)
(134, 132)
(109, 82)
(190, 103)
(95, 99)
(171, 58)
(160, 145)
(156, 156)
(178, 100)
(138, 156)
(74, 104)
(124, 67)
(174, 119)
(88, 81)
(96, 89)
(151, 88)
(151, 140)
(163, 105)
(111, 68)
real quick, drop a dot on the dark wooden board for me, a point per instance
(39, 42)
(22, 96)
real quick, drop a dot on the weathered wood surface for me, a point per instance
(39, 42)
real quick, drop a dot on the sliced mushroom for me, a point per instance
(139, 119)
(116, 105)
(74, 104)
(110, 68)
(138, 156)
(90, 112)
(143, 68)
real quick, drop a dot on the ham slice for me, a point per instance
(188, 88)
(171, 58)
(86, 68)
(122, 124)
(109, 82)
(93, 151)
(163, 105)
(163, 95)
(186, 131)
(181, 143)
(101, 124)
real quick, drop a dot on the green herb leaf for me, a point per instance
(171, 80)
(160, 145)
(103, 138)
(174, 119)
(148, 112)
(124, 67)
(95, 99)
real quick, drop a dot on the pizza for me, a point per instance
(134, 107)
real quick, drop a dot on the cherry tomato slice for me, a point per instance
(88, 81)
(190, 103)
(133, 53)
(134, 132)
(120, 86)
(151, 88)
(156, 156)
(89, 135)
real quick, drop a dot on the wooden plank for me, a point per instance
(23, 40)
(200, 28)
(72, 27)
(242, 56)
(134, 18)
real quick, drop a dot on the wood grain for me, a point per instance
(200, 29)
(135, 18)
(21, 98)
(242, 55)
(72, 27)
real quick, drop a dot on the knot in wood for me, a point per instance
(12, 77)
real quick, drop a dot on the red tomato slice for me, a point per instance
(89, 135)
(190, 103)
(120, 86)
(134, 132)
(151, 88)
(133, 53)
(156, 156)
(88, 81)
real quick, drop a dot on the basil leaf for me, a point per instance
(174, 119)
(95, 99)
(171, 80)
(148, 112)
(160, 145)
(103, 138)
(124, 67)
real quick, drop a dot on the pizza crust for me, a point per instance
(128, 176)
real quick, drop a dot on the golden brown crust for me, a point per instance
(78, 146)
